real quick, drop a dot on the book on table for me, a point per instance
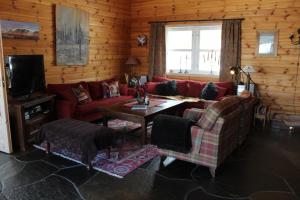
(139, 107)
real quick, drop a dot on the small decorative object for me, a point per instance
(72, 36)
(292, 38)
(180, 71)
(132, 61)
(141, 40)
(126, 78)
(143, 80)
(20, 30)
(140, 99)
(267, 42)
(133, 82)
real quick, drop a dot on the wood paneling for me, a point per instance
(276, 76)
(109, 36)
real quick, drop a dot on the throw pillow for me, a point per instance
(111, 89)
(209, 92)
(167, 88)
(81, 94)
(182, 88)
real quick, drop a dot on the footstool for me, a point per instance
(82, 138)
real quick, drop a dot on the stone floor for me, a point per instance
(266, 167)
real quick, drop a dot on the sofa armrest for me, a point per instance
(65, 109)
(123, 89)
(193, 114)
(208, 103)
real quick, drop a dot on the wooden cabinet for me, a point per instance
(25, 125)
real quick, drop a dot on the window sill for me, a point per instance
(192, 75)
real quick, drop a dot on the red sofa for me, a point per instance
(68, 107)
(190, 88)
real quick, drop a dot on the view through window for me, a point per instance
(194, 49)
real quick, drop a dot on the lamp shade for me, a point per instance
(132, 61)
(249, 69)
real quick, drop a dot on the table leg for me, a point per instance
(47, 147)
(105, 121)
(144, 132)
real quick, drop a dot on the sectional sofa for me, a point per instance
(67, 105)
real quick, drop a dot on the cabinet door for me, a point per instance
(5, 136)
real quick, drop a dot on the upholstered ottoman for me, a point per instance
(79, 137)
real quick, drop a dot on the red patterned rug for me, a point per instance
(134, 155)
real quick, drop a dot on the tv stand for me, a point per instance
(27, 116)
(29, 98)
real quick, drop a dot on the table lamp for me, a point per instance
(132, 61)
(247, 70)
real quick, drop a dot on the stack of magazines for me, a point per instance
(139, 107)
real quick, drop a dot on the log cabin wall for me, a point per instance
(109, 36)
(276, 76)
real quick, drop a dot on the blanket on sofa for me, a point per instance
(172, 133)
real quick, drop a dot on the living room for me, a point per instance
(246, 51)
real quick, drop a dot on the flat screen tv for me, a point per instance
(25, 74)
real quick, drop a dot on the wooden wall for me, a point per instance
(276, 76)
(109, 36)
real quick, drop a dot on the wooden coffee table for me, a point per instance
(124, 112)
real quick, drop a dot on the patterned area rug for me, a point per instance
(133, 154)
(118, 166)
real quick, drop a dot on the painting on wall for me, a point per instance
(20, 30)
(72, 36)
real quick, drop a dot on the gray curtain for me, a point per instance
(157, 52)
(231, 48)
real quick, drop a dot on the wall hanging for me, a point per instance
(20, 30)
(141, 40)
(72, 36)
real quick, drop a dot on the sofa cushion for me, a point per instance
(92, 106)
(96, 90)
(194, 88)
(160, 79)
(228, 85)
(182, 87)
(216, 110)
(221, 92)
(123, 89)
(68, 95)
(151, 87)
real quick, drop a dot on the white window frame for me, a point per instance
(195, 51)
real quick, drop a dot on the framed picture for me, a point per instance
(20, 30)
(72, 36)
(267, 42)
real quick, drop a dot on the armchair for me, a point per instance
(214, 136)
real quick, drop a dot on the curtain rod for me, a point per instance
(194, 20)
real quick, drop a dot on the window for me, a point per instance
(193, 49)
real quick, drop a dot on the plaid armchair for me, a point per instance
(246, 118)
(214, 136)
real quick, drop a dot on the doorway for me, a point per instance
(5, 134)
